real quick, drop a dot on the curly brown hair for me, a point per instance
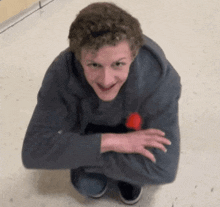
(102, 24)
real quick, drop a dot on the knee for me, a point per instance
(88, 183)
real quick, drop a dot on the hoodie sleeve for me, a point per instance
(49, 143)
(160, 111)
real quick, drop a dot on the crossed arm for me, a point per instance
(135, 142)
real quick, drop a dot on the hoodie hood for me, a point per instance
(147, 72)
(146, 75)
(149, 55)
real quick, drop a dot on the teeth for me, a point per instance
(107, 88)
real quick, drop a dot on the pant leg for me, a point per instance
(88, 184)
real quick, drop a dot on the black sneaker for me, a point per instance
(129, 194)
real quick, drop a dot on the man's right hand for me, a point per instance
(137, 142)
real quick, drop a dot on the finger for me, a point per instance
(162, 140)
(155, 131)
(156, 145)
(147, 154)
(158, 138)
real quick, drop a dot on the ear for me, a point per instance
(135, 53)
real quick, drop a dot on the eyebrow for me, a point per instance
(89, 61)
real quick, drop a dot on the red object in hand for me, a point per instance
(134, 121)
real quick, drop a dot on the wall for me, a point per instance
(9, 8)
(13, 11)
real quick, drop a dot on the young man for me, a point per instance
(89, 97)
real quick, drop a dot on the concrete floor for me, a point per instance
(188, 31)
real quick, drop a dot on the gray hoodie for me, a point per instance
(69, 118)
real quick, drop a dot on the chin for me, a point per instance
(107, 99)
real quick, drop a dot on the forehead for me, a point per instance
(107, 53)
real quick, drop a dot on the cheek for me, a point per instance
(123, 76)
(90, 76)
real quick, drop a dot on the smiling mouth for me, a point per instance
(105, 89)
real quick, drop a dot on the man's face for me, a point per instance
(107, 69)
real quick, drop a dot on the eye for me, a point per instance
(94, 65)
(119, 64)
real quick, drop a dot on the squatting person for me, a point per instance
(110, 71)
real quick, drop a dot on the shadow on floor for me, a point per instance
(57, 182)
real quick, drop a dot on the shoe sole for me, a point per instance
(102, 193)
(133, 201)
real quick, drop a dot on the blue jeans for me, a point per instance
(88, 184)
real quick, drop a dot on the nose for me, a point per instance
(107, 78)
